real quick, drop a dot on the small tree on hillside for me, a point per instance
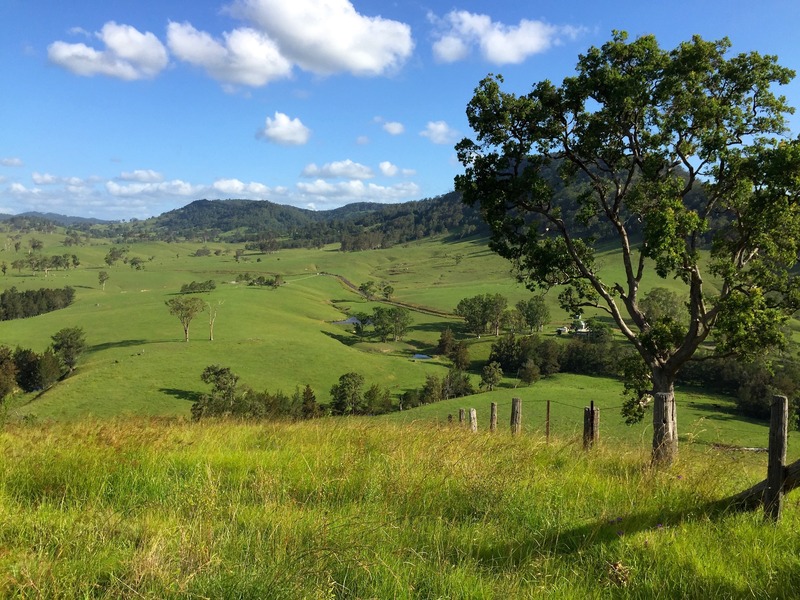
(185, 308)
(491, 375)
(68, 344)
(346, 395)
(102, 277)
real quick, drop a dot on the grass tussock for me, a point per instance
(361, 509)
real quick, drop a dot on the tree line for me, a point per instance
(15, 304)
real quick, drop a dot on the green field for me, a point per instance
(358, 508)
(279, 339)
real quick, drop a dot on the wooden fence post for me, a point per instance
(776, 467)
(460, 416)
(591, 426)
(547, 424)
(473, 420)
(493, 417)
(516, 415)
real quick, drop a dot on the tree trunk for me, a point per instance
(186, 334)
(665, 421)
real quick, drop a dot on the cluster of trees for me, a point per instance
(264, 281)
(387, 322)
(29, 371)
(455, 384)
(348, 397)
(370, 289)
(198, 287)
(15, 304)
(229, 398)
(490, 312)
(39, 263)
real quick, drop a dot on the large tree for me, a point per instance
(68, 344)
(667, 153)
(185, 308)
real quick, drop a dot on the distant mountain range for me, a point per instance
(54, 218)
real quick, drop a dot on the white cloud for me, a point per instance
(362, 140)
(245, 56)
(499, 43)
(240, 189)
(388, 169)
(11, 161)
(142, 176)
(439, 132)
(45, 179)
(393, 127)
(357, 191)
(341, 169)
(129, 54)
(285, 131)
(176, 187)
(330, 36)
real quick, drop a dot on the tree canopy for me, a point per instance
(671, 151)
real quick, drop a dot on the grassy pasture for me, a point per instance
(137, 363)
(359, 508)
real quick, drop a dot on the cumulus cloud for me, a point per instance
(499, 43)
(244, 56)
(176, 187)
(285, 131)
(128, 54)
(346, 169)
(393, 128)
(142, 176)
(330, 36)
(439, 132)
(357, 191)
(11, 161)
(239, 188)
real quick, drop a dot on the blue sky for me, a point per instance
(129, 108)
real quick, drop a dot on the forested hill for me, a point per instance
(262, 223)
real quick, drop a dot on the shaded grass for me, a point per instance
(357, 509)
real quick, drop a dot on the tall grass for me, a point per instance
(362, 509)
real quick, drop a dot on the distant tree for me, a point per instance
(368, 288)
(482, 311)
(534, 311)
(48, 370)
(387, 291)
(362, 321)
(102, 277)
(136, 262)
(222, 398)
(8, 372)
(309, 408)
(346, 395)
(529, 372)
(68, 344)
(660, 304)
(212, 317)
(27, 362)
(3, 267)
(460, 356)
(114, 254)
(491, 375)
(185, 308)
(35, 244)
(377, 400)
(446, 342)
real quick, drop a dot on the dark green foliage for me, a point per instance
(68, 344)
(309, 408)
(30, 303)
(27, 362)
(529, 372)
(391, 322)
(660, 145)
(263, 281)
(114, 254)
(491, 376)
(482, 312)
(377, 400)
(48, 370)
(446, 342)
(460, 356)
(346, 396)
(197, 287)
(534, 312)
(8, 372)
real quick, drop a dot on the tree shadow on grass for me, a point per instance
(122, 344)
(347, 340)
(188, 395)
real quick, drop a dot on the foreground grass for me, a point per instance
(363, 509)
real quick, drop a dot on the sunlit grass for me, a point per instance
(357, 509)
